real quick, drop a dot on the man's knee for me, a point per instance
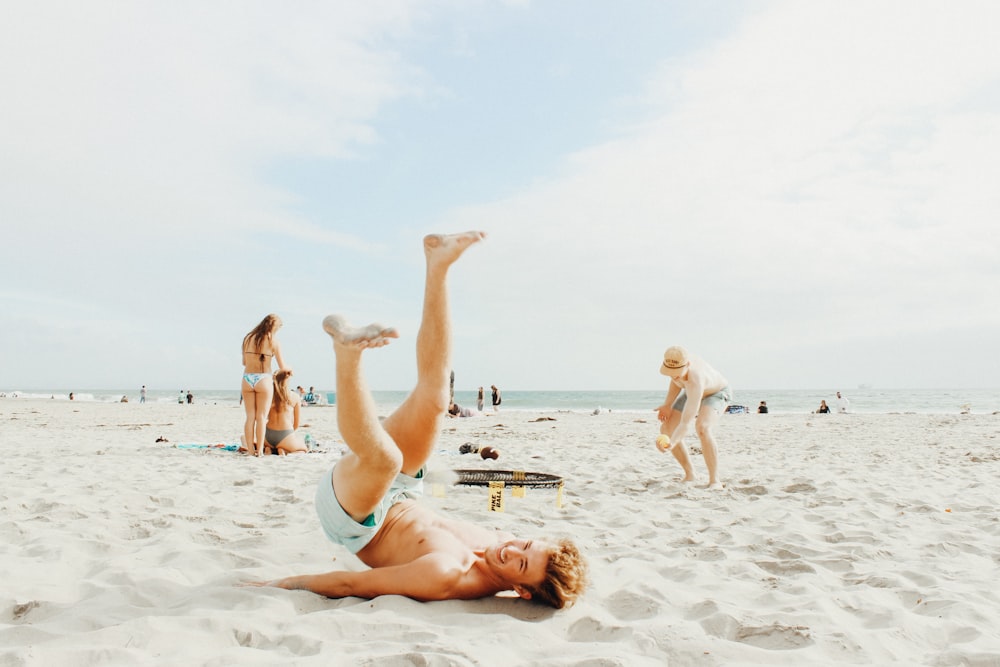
(432, 402)
(384, 460)
(703, 429)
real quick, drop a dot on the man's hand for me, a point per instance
(663, 412)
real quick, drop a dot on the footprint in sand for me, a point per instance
(774, 637)
(756, 490)
(589, 629)
(785, 567)
(632, 606)
(21, 610)
(802, 487)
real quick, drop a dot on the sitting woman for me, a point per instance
(283, 419)
(823, 408)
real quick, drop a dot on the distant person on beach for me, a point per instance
(456, 410)
(497, 399)
(310, 396)
(691, 376)
(762, 408)
(71, 396)
(842, 404)
(260, 346)
(190, 397)
(368, 502)
(480, 400)
(823, 408)
(280, 435)
(142, 394)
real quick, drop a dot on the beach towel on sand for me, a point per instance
(208, 445)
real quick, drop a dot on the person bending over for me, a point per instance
(281, 436)
(368, 501)
(692, 378)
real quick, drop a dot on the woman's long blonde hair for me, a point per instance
(281, 398)
(254, 340)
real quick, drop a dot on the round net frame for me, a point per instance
(470, 477)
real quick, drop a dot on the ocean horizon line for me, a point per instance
(869, 400)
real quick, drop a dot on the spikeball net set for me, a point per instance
(518, 480)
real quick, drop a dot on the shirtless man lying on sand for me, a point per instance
(692, 378)
(367, 503)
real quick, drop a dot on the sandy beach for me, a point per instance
(839, 539)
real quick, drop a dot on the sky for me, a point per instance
(804, 194)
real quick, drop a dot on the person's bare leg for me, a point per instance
(707, 419)
(415, 424)
(291, 444)
(361, 477)
(262, 401)
(250, 406)
(677, 448)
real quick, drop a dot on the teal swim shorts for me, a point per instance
(338, 525)
(718, 400)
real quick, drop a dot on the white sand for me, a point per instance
(838, 540)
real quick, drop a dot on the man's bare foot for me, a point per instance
(373, 335)
(715, 485)
(446, 248)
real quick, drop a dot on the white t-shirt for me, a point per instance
(842, 404)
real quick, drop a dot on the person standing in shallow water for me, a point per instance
(497, 399)
(260, 347)
(698, 394)
(479, 400)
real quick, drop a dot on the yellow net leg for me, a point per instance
(518, 488)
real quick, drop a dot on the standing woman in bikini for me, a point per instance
(259, 347)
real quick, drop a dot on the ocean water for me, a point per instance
(780, 401)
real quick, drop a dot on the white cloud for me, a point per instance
(815, 180)
(164, 114)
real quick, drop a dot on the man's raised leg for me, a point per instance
(415, 424)
(362, 477)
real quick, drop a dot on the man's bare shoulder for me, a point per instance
(447, 579)
(705, 376)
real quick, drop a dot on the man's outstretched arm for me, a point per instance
(427, 578)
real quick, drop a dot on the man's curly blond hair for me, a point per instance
(565, 577)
